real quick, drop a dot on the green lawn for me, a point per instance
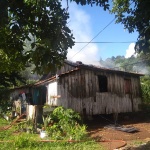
(9, 140)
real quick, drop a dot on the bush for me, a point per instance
(65, 124)
(145, 86)
(24, 140)
(5, 101)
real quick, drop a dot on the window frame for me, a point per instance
(103, 83)
(127, 86)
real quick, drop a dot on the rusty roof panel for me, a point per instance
(80, 65)
(54, 77)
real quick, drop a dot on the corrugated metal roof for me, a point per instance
(80, 65)
(77, 66)
(54, 77)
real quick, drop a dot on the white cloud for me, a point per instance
(79, 23)
(130, 51)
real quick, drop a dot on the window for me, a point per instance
(127, 84)
(102, 83)
(84, 112)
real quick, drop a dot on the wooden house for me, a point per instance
(92, 90)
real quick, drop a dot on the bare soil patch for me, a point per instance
(114, 138)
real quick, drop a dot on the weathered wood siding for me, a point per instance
(35, 112)
(79, 90)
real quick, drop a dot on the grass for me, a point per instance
(138, 142)
(25, 141)
(139, 145)
(26, 145)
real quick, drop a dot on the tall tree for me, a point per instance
(46, 21)
(134, 15)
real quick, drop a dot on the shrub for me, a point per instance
(5, 102)
(145, 85)
(24, 140)
(65, 124)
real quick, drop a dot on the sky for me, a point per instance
(86, 22)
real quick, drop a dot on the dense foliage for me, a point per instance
(64, 124)
(5, 102)
(145, 85)
(46, 22)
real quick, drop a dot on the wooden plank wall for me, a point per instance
(80, 90)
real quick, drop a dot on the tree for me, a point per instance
(134, 15)
(9, 70)
(10, 79)
(46, 21)
(101, 3)
(136, 64)
(40, 23)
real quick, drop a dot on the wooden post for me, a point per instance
(35, 119)
(115, 115)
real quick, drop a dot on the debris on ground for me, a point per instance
(128, 129)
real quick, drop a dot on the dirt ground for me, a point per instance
(112, 139)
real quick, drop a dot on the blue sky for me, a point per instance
(85, 22)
